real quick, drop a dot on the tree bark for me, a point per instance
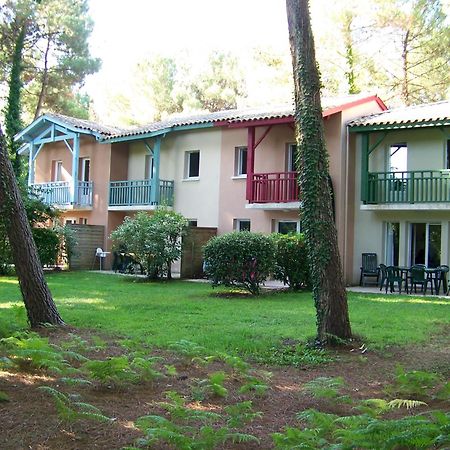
(329, 292)
(43, 91)
(38, 300)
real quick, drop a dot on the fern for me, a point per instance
(408, 404)
(145, 369)
(30, 351)
(187, 348)
(71, 411)
(171, 370)
(240, 414)
(416, 383)
(4, 397)
(327, 388)
(114, 370)
(253, 384)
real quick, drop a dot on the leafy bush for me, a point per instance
(47, 243)
(239, 259)
(291, 260)
(155, 240)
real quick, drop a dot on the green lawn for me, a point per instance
(166, 312)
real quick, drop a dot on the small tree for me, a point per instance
(239, 259)
(291, 260)
(155, 240)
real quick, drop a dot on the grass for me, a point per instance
(161, 313)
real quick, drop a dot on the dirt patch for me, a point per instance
(29, 420)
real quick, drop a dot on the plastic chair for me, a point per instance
(442, 279)
(369, 267)
(419, 277)
(383, 275)
(101, 255)
(394, 275)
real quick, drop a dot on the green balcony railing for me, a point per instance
(417, 186)
(138, 193)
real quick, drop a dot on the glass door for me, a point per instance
(392, 243)
(426, 244)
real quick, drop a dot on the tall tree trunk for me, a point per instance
(405, 70)
(38, 300)
(329, 293)
(13, 122)
(44, 84)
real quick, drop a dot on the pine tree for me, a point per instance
(329, 292)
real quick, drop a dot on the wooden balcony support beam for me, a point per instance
(364, 166)
(154, 190)
(250, 162)
(75, 159)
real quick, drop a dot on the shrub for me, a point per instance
(291, 260)
(155, 240)
(47, 243)
(240, 259)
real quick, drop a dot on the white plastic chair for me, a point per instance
(101, 255)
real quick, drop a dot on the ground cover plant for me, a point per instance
(191, 370)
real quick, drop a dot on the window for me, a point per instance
(426, 244)
(288, 226)
(82, 221)
(148, 171)
(240, 161)
(392, 243)
(85, 171)
(192, 164)
(192, 222)
(57, 171)
(398, 158)
(241, 224)
(71, 221)
(291, 157)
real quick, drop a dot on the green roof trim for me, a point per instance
(399, 126)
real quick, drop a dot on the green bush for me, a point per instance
(239, 259)
(47, 242)
(291, 260)
(155, 240)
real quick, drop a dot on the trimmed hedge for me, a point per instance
(242, 259)
(291, 260)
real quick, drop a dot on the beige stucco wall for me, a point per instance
(426, 150)
(195, 199)
(136, 161)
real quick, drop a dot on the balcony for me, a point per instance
(274, 190)
(58, 194)
(418, 189)
(137, 194)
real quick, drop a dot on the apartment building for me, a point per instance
(232, 170)
(401, 161)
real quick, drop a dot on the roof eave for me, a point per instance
(399, 126)
(25, 132)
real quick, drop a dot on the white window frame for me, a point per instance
(277, 224)
(187, 160)
(239, 169)
(290, 163)
(58, 168)
(238, 222)
(83, 169)
(148, 167)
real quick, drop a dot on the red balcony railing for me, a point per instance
(275, 187)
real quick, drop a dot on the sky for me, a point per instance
(127, 31)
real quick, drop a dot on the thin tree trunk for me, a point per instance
(38, 300)
(329, 292)
(43, 91)
(405, 68)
